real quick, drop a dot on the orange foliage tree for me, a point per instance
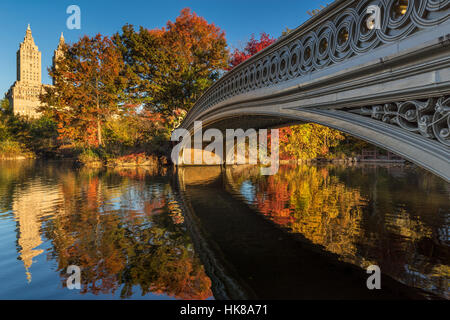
(89, 83)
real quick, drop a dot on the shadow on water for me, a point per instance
(255, 248)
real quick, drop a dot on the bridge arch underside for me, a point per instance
(423, 151)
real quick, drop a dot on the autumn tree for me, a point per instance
(197, 54)
(173, 66)
(252, 47)
(308, 141)
(89, 84)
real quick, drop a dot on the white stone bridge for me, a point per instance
(388, 86)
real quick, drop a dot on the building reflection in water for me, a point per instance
(30, 204)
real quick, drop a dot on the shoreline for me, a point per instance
(154, 161)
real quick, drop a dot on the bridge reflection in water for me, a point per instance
(328, 228)
(201, 232)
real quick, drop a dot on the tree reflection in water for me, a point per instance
(393, 216)
(123, 229)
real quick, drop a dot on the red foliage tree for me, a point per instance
(253, 46)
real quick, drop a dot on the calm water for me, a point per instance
(205, 233)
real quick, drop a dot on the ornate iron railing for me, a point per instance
(336, 34)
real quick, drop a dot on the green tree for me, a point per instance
(4, 106)
(172, 67)
(145, 63)
(4, 109)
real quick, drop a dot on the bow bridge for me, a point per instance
(388, 84)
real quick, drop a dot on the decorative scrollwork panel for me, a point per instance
(430, 118)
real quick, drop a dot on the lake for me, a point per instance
(308, 232)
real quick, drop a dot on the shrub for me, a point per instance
(89, 155)
(13, 149)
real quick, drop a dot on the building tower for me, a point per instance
(59, 52)
(29, 60)
(24, 93)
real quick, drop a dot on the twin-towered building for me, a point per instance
(24, 94)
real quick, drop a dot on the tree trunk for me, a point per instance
(99, 125)
(99, 133)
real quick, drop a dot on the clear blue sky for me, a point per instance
(238, 18)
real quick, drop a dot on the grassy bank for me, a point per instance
(13, 150)
(98, 157)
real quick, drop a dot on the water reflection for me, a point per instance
(394, 216)
(123, 228)
(303, 233)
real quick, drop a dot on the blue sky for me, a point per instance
(238, 18)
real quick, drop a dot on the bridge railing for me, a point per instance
(337, 33)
